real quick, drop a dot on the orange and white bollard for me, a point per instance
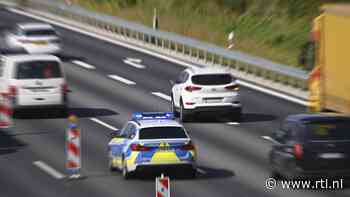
(162, 186)
(73, 148)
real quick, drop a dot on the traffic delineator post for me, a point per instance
(5, 111)
(162, 186)
(73, 148)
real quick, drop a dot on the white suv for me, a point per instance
(199, 90)
(33, 81)
(34, 38)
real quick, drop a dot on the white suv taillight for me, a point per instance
(12, 91)
(232, 87)
(192, 88)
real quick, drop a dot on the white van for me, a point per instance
(33, 81)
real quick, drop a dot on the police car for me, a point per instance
(152, 141)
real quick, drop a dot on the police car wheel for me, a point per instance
(125, 172)
(110, 166)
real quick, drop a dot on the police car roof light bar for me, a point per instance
(152, 116)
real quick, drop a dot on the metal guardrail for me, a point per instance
(187, 47)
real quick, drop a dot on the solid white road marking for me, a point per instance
(135, 60)
(134, 63)
(233, 123)
(161, 95)
(121, 79)
(83, 64)
(48, 169)
(154, 54)
(103, 124)
(201, 171)
(273, 93)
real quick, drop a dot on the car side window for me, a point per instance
(282, 134)
(131, 132)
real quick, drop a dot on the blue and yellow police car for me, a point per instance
(152, 141)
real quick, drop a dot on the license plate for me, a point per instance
(331, 155)
(213, 100)
(41, 43)
(40, 90)
(164, 149)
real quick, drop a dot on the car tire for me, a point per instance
(275, 174)
(173, 109)
(125, 172)
(236, 114)
(291, 172)
(184, 114)
(110, 166)
(192, 174)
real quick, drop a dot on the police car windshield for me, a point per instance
(38, 70)
(329, 130)
(162, 133)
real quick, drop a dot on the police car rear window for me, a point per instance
(329, 130)
(214, 79)
(38, 70)
(162, 133)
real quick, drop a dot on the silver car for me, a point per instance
(37, 38)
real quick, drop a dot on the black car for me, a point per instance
(311, 145)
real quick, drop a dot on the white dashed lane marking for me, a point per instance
(48, 169)
(121, 79)
(83, 64)
(161, 95)
(104, 124)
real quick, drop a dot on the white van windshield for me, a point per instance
(38, 70)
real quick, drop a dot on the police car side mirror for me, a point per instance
(114, 134)
(172, 82)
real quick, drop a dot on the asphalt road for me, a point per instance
(232, 158)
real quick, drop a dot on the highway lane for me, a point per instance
(233, 157)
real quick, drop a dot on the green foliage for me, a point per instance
(275, 29)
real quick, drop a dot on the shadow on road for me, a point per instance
(245, 118)
(68, 58)
(203, 174)
(56, 114)
(8, 143)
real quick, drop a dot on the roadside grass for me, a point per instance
(273, 29)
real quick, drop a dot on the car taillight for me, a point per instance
(64, 88)
(192, 88)
(298, 151)
(138, 147)
(12, 91)
(188, 146)
(232, 87)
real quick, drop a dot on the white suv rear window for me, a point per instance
(38, 70)
(212, 79)
(40, 32)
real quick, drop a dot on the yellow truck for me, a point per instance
(329, 81)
